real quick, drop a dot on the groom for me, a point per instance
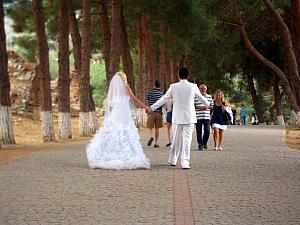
(183, 94)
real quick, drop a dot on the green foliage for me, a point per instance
(21, 13)
(26, 46)
(235, 90)
(98, 81)
(53, 64)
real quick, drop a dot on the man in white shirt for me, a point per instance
(183, 94)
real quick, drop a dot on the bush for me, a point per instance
(98, 82)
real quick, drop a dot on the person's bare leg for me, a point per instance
(151, 132)
(169, 127)
(221, 138)
(216, 137)
(151, 136)
(156, 135)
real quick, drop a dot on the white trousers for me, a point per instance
(182, 140)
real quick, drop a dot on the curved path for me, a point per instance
(255, 180)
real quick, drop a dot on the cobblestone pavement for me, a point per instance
(254, 180)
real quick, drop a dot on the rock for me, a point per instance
(21, 75)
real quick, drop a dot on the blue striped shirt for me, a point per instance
(153, 96)
(203, 114)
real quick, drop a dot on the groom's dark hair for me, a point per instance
(157, 84)
(183, 73)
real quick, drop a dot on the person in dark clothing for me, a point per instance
(234, 115)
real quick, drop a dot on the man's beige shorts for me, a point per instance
(155, 120)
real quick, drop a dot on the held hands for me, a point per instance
(148, 110)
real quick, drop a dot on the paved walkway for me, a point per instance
(255, 180)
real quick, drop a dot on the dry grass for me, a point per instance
(293, 138)
(29, 139)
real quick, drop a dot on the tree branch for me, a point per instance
(228, 23)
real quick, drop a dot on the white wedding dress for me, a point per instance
(116, 145)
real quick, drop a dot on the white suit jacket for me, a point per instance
(183, 94)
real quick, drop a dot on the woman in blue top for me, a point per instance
(219, 119)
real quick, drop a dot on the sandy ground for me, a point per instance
(293, 138)
(29, 140)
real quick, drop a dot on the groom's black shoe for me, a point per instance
(171, 164)
(186, 168)
(150, 141)
(200, 147)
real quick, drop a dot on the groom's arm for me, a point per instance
(162, 100)
(200, 97)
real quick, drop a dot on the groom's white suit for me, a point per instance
(183, 94)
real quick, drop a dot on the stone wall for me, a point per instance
(21, 75)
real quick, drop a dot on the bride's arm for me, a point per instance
(136, 100)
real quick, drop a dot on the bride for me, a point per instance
(116, 145)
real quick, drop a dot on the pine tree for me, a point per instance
(88, 123)
(46, 101)
(64, 116)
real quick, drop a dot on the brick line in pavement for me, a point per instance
(182, 199)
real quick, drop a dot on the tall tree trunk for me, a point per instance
(174, 70)
(141, 116)
(6, 128)
(277, 71)
(126, 56)
(149, 48)
(88, 123)
(255, 100)
(294, 27)
(162, 55)
(35, 90)
(76, 39)
(46, 102)
(50, 2)
(141, 60)
(187, 59)
(106, 40)
(168, 72)
(278, 103)
(287, 43)
(116, 42)
(35, 94)
(64, 116)
(288, 71)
